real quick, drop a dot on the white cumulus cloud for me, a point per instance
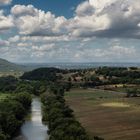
(6, 22)
(31, 21)
(42, 35)
(107, 18)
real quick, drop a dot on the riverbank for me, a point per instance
(61, 120)
(13, 109)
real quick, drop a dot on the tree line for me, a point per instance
(59, 117)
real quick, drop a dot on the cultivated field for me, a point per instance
(106, 114)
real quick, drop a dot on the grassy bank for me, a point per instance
(106, 114)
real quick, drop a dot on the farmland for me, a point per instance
(107, 114)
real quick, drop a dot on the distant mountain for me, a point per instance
(8, 66)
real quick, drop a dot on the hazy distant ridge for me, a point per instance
(8, 66)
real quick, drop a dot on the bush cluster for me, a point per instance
(12, 112)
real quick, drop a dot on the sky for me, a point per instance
(51, 31)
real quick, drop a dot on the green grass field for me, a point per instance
(107, 114)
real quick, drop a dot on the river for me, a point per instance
(34, 129)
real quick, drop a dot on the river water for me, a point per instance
(33, 129)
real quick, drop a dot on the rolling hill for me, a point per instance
(8, 66)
